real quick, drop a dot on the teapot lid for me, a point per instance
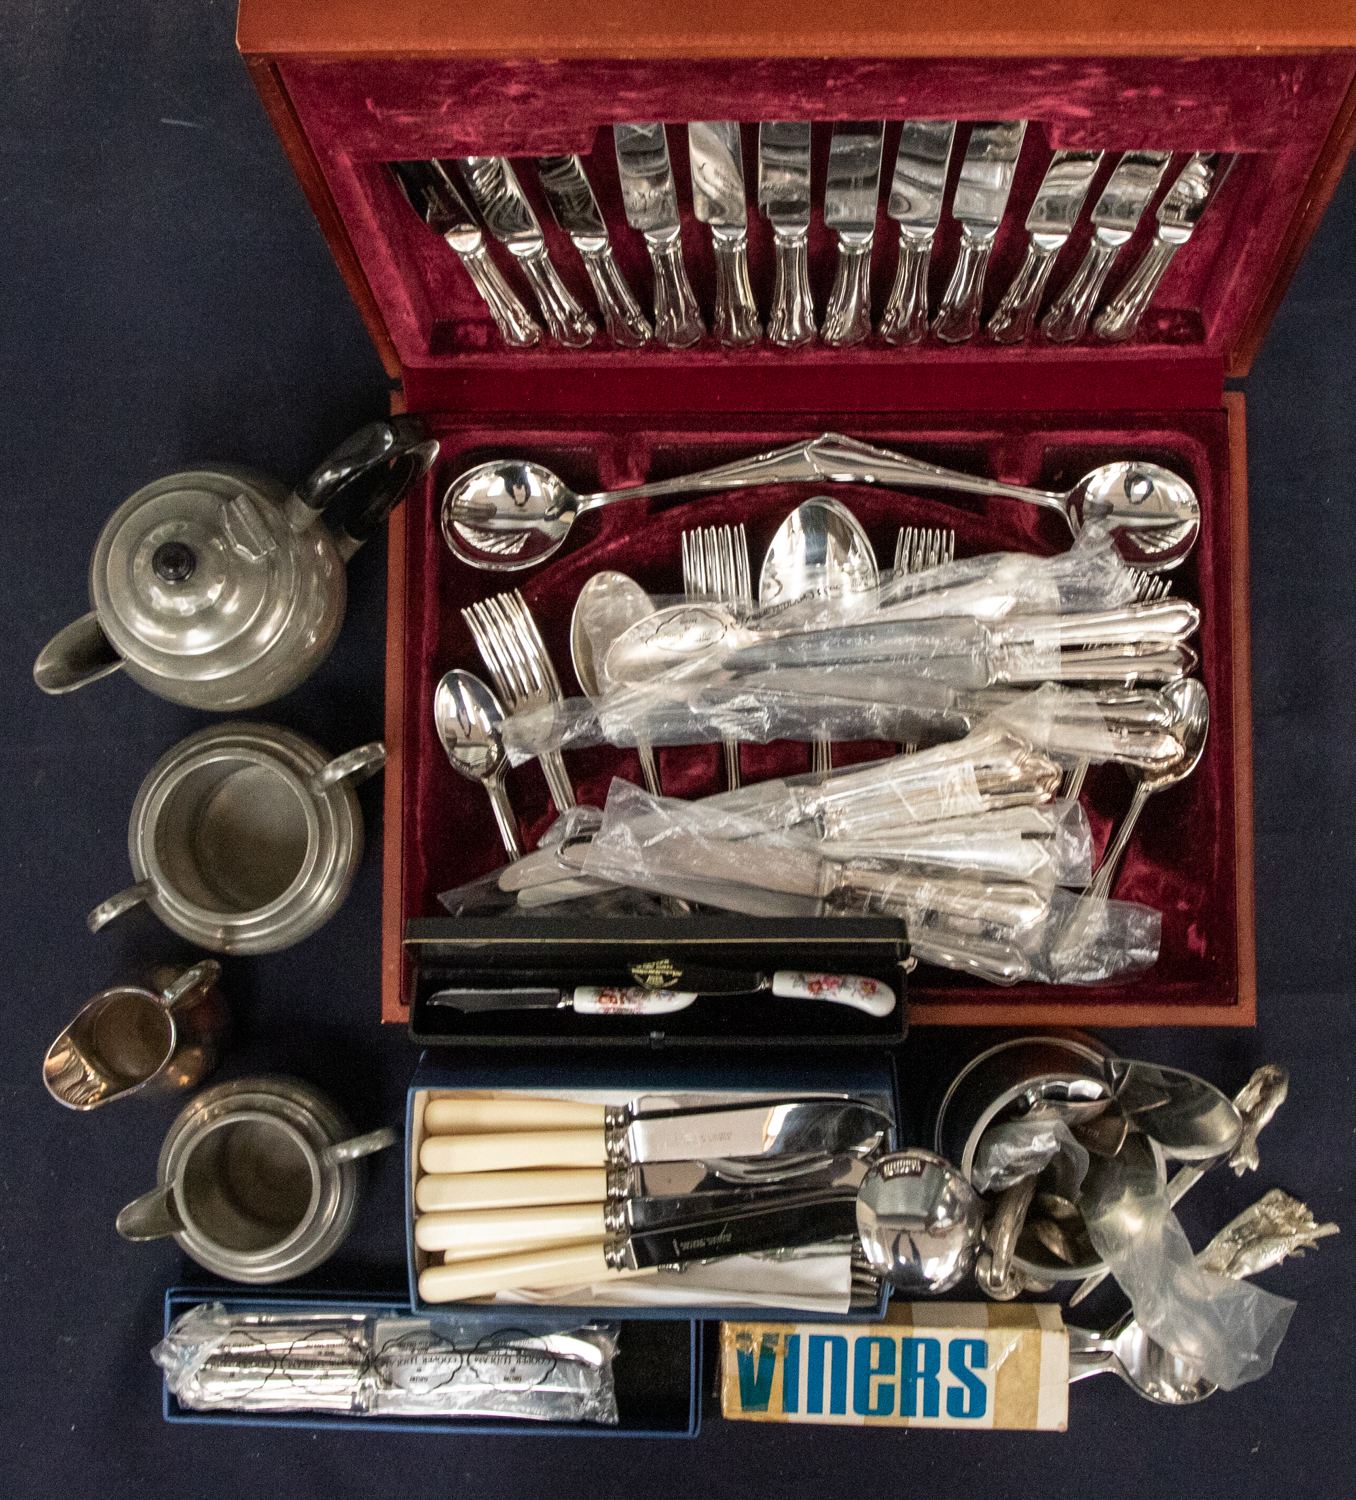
(195, 575)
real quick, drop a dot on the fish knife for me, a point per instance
(784, 198)
(850, 199)
(717, 160)
(651, 202)
(915, 204)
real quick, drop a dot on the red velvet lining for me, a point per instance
(1182, 858)
(357, 114)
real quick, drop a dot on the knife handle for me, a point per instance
(468, 1234)
(568, 323)
(793, 309)
(1016, 314)
(1068, 317)
(538, 1270)
(856, 990)
(517, 325)
(677, 319)
(442, 1192)
(627, 326)
(510, 1150)
(737, 322)
(1120, 317)
(461, 1116)
(847, 320)
(958, 317)
(591, 1001)
(906, 313)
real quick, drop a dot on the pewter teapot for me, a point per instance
(217, 589)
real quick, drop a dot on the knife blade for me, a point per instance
(1115, 217)
(784, 198)
(651, 202)
(1059, 201)
(570, 195)
(851, 195)
(915, 204)
(500, 198)
(430, 191)
(1178, 214)
(716, 156)
(981, 199)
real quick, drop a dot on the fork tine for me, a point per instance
(899, 551)
(743, 577)
(509, 653)
(534, 646)
(483, 635)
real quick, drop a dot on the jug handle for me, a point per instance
(370, 472)
(150, 1217)
(75, 656)
(356, 765)
(360, 1145)
(106, 911)
(200, 977)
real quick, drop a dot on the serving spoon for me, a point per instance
(512, 514)
(468, 717)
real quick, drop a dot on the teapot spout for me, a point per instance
(75, 656)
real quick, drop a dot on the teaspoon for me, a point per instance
(468, 718)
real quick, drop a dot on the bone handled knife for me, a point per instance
(915, 204)
(651, 202)
(500, 198)
(850, 198)
(571, 198)
(1050, 222)
(981, 199)
(784, 198)
(717, 161)
(1181, 208)
(1117, 213)
(430, 191)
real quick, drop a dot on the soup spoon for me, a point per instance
(468, 717)
(512, 514)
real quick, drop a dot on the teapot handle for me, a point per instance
(75, 656)
(106, 911)
(359, 1145)
(200, 977)
(363, 480)
(356, 765)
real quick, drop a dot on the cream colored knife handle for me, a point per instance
(538, 1270)
(471, 1191)
(508, 1231)
(508, 1151)
(486, 1116)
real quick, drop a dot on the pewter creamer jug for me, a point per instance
(218, 589)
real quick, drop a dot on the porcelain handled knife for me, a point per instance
(981, 199)
(850, 199)
(915, 204)
(1118, 211)
(652, 208)
(571, 198)
(717, 159)
(1182, 206)
(1050, 222)
(500, 198)
(784, 198)
(430, 191)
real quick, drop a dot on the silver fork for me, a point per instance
(716, 570)
(918, 548)
(513, 650)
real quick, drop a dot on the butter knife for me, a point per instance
(915, 204)
(1118, 211)
(567, 190)
(430, 191)
(1178, 214)
(850, 198)
(652, 208)
(508, 215)
(981, 198)
(716, 156)
(1050, 222)
(784, 198)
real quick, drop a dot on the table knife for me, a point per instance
(1181, 208)
(651, 202)
(915, 204)
(1118, 211)
(981, 198)
(571, 198)
(717, 159)
(850, 198)
(508, 216)
(430, 191)
(1050, 222)
(784, 198)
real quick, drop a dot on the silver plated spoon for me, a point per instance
(920, 1222)
(1191, 1119)
(1126, 1350)
(468, 717)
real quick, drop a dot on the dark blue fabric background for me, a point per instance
(166, 297)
